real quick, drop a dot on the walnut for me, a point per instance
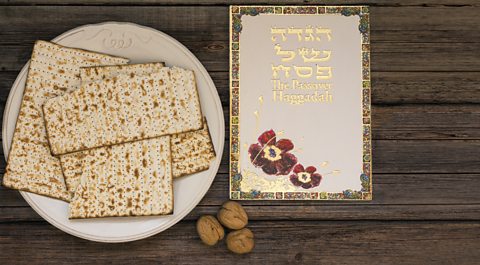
(240, 241)
(210, 230)
(232, 215)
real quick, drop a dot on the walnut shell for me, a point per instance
(240, 241)
(232, 215)
(210, 230)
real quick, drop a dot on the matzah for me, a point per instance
(123, 109)
(90, 74)
(191, 152)
(53, 71)
(131, 179)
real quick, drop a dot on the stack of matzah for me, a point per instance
(118, 138)
(123, 108)
(54, 70)
(140, 185)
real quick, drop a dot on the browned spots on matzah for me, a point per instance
(48, 62)
(124, 194)
(191, 152)
(106, 72)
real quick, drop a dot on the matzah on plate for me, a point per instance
(191, 152)
(100, 73)
(53, 71)
(131, 179)
(123, 109)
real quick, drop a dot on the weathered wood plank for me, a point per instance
(393, 189)
(345, 212)
(273, 211)
(389, 189)
(309, 242)
(388, 24)
(449, 122)
(407, 157)
(396, 197)
(386, 56)
(425, 87)
(416, 157)
(423, 57)
(246, 2)
(387, 88)
(392, 121)
(426, 157)
(25, 20)
(18, 214)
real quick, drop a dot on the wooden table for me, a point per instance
(426, 140)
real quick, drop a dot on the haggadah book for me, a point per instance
(300, 103)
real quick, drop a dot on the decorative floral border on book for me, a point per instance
(236, 13)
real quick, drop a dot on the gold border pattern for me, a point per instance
(236, 13)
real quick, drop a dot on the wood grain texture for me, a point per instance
(295, 242)
(245, 2)
(396, 197)
(395, 189)
(386, 57)
(426, 140)
(399, 43)
(411, 157)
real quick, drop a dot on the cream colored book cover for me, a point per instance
(300, 126)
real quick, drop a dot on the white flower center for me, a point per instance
(304, 177)
(272, 153)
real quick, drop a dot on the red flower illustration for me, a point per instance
(305, 177)
(271, 155)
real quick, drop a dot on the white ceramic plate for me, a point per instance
(139, 44)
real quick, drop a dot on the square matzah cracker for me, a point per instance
(191, 152)
(131, 179)
(123, 109)
(89, 74)
(54, 70)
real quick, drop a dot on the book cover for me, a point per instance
(300, 126)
